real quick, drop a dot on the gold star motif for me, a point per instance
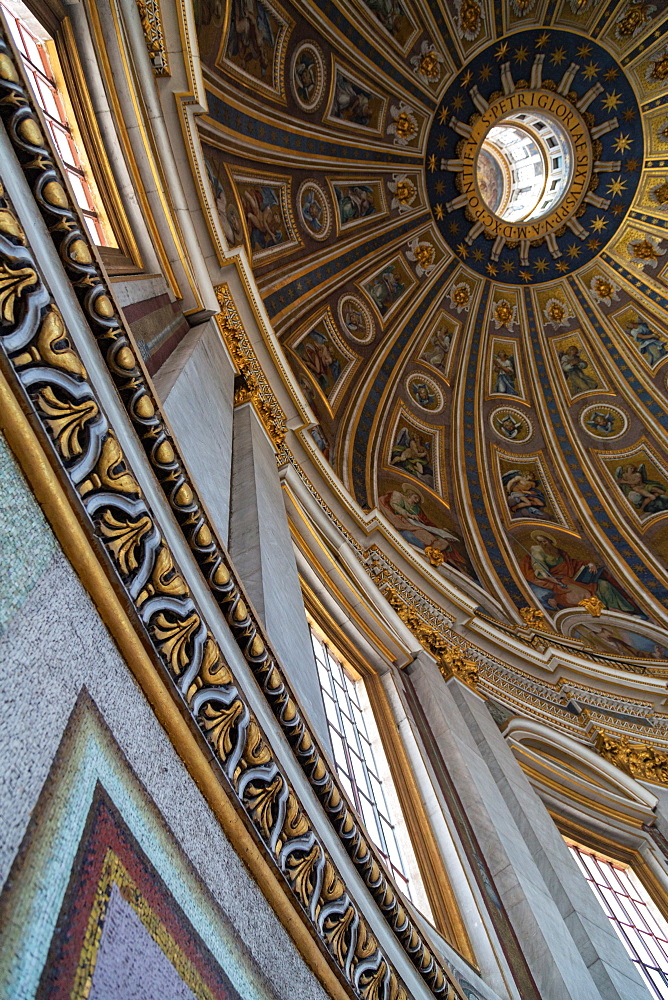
(438, 212)
(521, 54)
(584, 51)
(525, 275)
(593, 244)
(541, 265)
(466, 79)
(492, 270)
(599, 224)
(439, 187)
(631, 165)
(543, 40)
(558, 56)
(478, 255)
(443, 114)
(617, 209)
(611, 74)
(440, 142)
(629, 114)
(508, 266)
(502, 51)
(463, 250)
(590, 70)
(574, 251)
(561, 266)
(622, 143)
(485, 73)
(458, 102)
(431, 162)
(611, 101)
(615, 187)
(454, 228)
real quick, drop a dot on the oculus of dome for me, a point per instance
(601, 131)
(553, 106)
(536, 160)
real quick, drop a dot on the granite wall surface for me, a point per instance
(75, 720)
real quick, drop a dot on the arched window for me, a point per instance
(363, 768)
(37, 52)
(641, 927)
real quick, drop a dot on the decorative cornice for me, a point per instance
(50, 379)
(151, 22)
(638, 759)
(452, 664)
(253, 386)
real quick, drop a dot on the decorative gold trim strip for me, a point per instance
(115, 512)
(93, 574)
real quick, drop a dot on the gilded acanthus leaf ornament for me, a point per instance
(638, 759)
(66, 420)
(174, 637)
(124, 538)
(13, 284)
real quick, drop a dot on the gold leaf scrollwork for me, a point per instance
(66, 420)
(533, 617)
(218, 723)
(302, 874)
(336, 931)
(124, 538)
(214, 670)
(332, 886)
(10, 225)
(165, 578)
(174, 637)
(54, 346)
(452, 663)
(636, 758)
(372, 987)
(111, 471)
(12, 286)
(366, 942)
(295, 824)
(261, 800)
(256, 751)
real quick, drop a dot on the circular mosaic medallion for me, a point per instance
(307, 76)
(532, 161)
(355, 318)
(424, 392)
(511, 424)
(606, 422)
(313, 210)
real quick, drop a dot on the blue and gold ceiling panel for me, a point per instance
(457, 215)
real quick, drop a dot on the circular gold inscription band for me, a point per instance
(559, 109)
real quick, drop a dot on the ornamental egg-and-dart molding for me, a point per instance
(581, 88)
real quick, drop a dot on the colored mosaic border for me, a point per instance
(52, 381)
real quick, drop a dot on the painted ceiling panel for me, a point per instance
(457, 216)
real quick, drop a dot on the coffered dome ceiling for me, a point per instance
(456, 215)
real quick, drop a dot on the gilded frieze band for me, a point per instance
(49, 377)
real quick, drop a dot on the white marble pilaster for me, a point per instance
(261, 548)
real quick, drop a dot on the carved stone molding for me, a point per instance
(51, 382)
